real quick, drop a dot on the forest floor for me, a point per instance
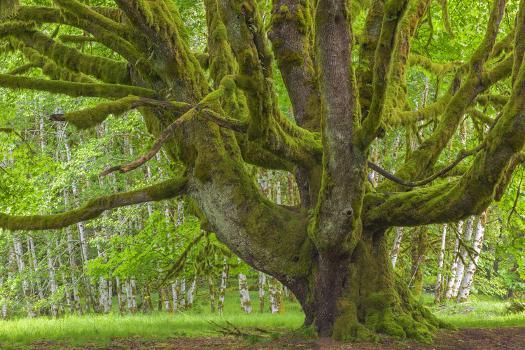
(512, 338)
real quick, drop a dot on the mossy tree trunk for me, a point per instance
(330, 249)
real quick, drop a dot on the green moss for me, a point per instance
(73, 88)
(91, 117)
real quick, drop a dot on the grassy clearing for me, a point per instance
(479, 312)
(100, 329)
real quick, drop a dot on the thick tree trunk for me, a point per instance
(352, 298)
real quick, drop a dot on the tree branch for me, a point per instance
(393, 14)
(74, 89)
(102, 68)
(94, 208)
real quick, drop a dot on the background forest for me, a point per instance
(156, 258)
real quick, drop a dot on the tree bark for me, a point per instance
(463, 256)
(441, 260)
(246, 304)
(454, 266)
(397, 245)
(468, 277)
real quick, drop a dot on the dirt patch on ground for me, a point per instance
(465, 339)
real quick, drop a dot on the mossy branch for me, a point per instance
(102, 68)
(94, 208)
(462, 155)
(484, 50)
(74, 89)
(85, 12)
(394, 12)
(91, 117)
(438, 69)
(112, 40)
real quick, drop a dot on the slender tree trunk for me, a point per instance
(120, 299)
(468, 277)
(175, 295)
(19, 255)
(441, 259)
(454, 267)
(211, 288)
(222, 287)
(397, 245)
(261, 284)
(53, 287)
(191, 293)
(463, 256)
(419, 250)
(275, 296)
(246, 304)
(32, 251)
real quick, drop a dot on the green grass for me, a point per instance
(100, 329)
(478, 312)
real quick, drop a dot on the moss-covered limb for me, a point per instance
(82, 11)
(492, 99)
(94, 208)
(291, 36)
(431, 111)
(14, 27)
(470, 194)
(102, 68)
(23, 69)
(91, 117)
(114, 14)
(484, 50)
(42, 15)
(442, 172)
(8, 8)
(439, 69)
(51, 69)
(163, 138)
(519, 40)
(424, 158)
(74, 89)
(270, 237)
(367, 48)
(224, 122)
(246, 37)
(478, 115)
(160, 32)
(78, 39)
(446, 17)
(396, 92)
(394, 11)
